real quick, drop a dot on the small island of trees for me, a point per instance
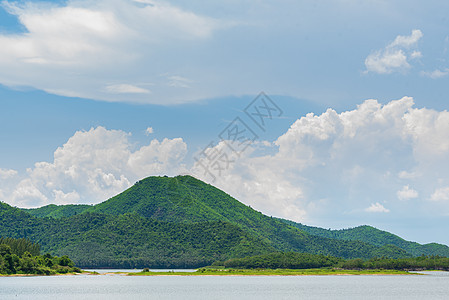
(21, 256)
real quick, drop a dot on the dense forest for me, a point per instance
(21, 256)
(164, 222)
(374, 236)
(292, 260)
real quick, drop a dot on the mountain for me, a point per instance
(376, 237)
(169, 222)
(131, 241)
(57, 211)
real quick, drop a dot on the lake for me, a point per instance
(432, 286)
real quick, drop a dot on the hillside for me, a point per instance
(129, 240)
(57, 211)
(188, 200)
(169, 222)
(376, 237)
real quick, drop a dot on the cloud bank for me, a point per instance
(377, 158)
(106, 50)
(93, 166)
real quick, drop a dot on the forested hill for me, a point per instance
(131, 241)
(163, 221)
(376, 237)
(185, 199)
(57, 211)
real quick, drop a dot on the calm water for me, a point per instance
(434, 286)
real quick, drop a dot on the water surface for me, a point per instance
(433, 286)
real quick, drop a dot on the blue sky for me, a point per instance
(95, 95)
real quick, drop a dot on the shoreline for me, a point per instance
(243, 272)
(276, 272)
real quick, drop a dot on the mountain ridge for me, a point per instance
(140, 225)
(374, 236)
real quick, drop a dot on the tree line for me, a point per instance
(21, 256)
(293, 260)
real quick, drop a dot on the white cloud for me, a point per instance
(407, 41)
(78, 48)
(441, 194)
(385, 62)
(377, 208)
(178, 81)
(149, 131)
(416, 54)
(159, 157)
(407, 193)
(126, 89)
(394, 57)
(408, 175)
(329, 164)
(93, 166)
(323, 166)
(6, 173)
(435, 74)
(63, 198)
(256, 181)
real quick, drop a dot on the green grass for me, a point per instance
(274, 272)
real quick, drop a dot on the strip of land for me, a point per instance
(274, 272)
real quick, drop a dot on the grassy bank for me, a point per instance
(273, 272)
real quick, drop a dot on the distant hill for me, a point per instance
(168, 222)
(57, 211)
(376, 237)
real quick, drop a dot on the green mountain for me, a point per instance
(376, 237)
(170, 222)
(129, 240)
(57, 211)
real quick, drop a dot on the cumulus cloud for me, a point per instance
(407, 41)
(441, 194)
(435, 74)
(326, 165)
(407, 193)
(7, 173)
(257, 181)
(342, 163)
(395, 57)
(104, 50)
(377, 208)
(95, 165)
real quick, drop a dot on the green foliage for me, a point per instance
(293, 260)
(164, 222)
(28, 263)
(375, 237)
(411, 263)
(57, 211)
(132, 241)
(280, 260)
(20, 246)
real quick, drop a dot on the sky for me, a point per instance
(329, 113)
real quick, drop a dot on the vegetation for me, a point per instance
(20, 246)
(164, 222)
(272, 272)
(16, 259)
(414, 263)
(280, 260)
(293, 260)
(57, 211)
(375, 237)
(131, 241)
